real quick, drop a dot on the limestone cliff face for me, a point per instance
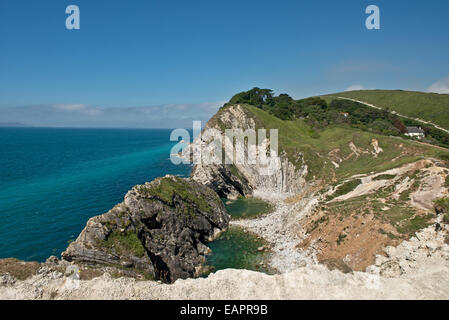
(161, 228)
(233, 180)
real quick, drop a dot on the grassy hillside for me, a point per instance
(350, 227)
(320, 147)
(320, 112)
(427, 106)
(339, 140)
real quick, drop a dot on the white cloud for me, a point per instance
(82, 115)
(81, 108)
(70, 107)
(441, 86)
(355, 87)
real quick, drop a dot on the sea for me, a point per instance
(52, 180)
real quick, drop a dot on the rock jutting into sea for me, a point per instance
(161, 229)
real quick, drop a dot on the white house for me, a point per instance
(415, 132)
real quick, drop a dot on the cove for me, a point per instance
(245, 208)
(238, 249)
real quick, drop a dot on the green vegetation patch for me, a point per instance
(405, 195)
(341, 238)
(345, 188)
(442, 207)
(413, 225)
(391, 212)
(443, 156)
(309, 129)
(316, 223)
(397, 214)
(442, 204)
(244, 208)
(427, 106)
(446, 218)
(126, 243)
(415, 105)
(384, 177)
(304, 145)
(405, 220)
(388, 234)
(166, 188)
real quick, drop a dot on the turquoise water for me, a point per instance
(237, 249)
(245, 208)
(53, 180)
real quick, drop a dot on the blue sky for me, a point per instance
(187, 57)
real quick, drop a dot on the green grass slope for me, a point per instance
(318, 147)
(431, 107)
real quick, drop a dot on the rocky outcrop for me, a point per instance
(428, 246)
(161, 229)
(222, 180)
(241, 179)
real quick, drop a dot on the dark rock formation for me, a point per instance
(225, 180)
(161, 229)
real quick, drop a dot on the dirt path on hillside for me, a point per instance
(396, 113)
